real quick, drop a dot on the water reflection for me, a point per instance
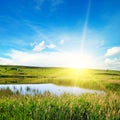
(52, 88)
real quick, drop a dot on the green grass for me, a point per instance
(14, 106)
(65, 107)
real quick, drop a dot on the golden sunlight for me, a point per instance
(81, 61)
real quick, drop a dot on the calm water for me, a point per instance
(52, 88)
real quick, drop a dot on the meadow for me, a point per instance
(47, 106)
(86, 78)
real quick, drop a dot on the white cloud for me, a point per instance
(112, 58)
(54, 59)
(59, 59)
(113, 63)
(51, 46)
(62, 42)
(39, 47)
(112, 51)
(38, 59)
(5, 61)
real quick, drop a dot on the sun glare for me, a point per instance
(80, 61)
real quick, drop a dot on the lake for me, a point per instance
(52, 88)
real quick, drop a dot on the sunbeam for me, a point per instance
(85, 28)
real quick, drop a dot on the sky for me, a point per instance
(60, 33)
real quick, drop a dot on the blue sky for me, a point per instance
(64, 33)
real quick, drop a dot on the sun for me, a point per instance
(80, 61)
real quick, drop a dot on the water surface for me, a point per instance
(52, 88)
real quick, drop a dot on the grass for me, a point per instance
(14, 106)
(87, 78)
(65, 107)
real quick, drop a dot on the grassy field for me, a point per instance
(14, 106)
(86, 78)
(65, 107)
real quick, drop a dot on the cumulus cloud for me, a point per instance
(112, 58)
(39, 47)
(112, 51)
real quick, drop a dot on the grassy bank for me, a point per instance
(65, 107)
